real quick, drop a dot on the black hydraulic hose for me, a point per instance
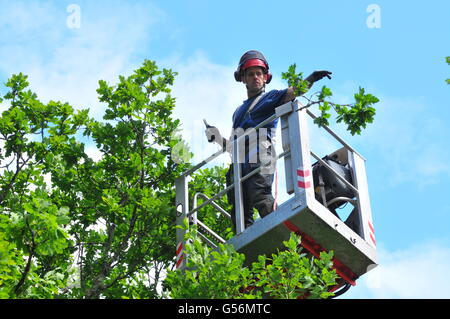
(341, 291)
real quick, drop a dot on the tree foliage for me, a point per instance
(72, 226)
(221, 273)
(35, 245)
(355, 115)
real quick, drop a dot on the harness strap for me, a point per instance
(255, 101)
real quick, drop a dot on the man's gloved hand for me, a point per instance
(318, 75)
(212, 133)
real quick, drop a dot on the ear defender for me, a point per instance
(237, 76)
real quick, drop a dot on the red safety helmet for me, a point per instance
(249, 59)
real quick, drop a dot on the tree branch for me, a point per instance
(17, 289)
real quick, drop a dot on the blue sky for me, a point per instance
(402, 62)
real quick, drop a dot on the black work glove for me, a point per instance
(318, 75)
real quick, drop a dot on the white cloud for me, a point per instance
(66, 64)
(420, 271)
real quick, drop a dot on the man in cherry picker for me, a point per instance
(253, 71)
